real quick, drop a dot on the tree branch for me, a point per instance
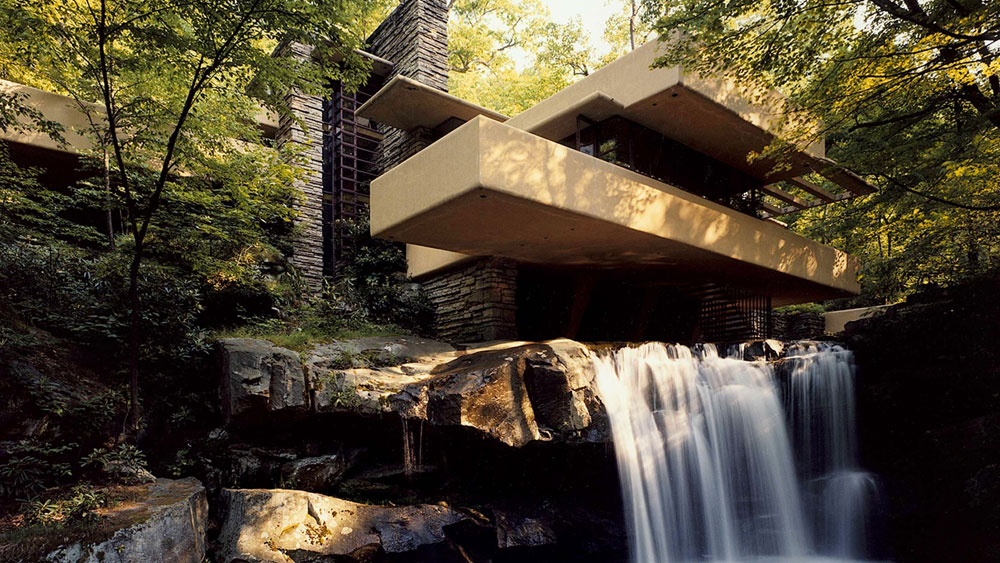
(921, 19)
(899, 184)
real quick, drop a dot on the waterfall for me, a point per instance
(717, 464)
(818, 394)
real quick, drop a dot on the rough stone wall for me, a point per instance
(475, 302)
(307, 249)
(802, 325)
(415, 38)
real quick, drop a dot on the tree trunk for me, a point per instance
(631, 26)
(134, 336)
(107, 201)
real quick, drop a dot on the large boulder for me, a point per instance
(281, 525)
(485, 391)
(516, 395)
(259, 378)
(249, 466)
(519, 530)
(318, 473)
(165, 523)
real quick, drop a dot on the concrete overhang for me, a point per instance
(406, 104)
(489, 189)
(595, 106)
(380, 66)
(711, 116)
(56, 108)
(72, 115)
(267, 121)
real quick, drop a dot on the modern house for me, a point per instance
(622, 207)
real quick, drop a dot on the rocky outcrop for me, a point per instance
(165, 523)
(515, 529)
(259, 378)
(517, 395)
(513, 392)
(929, 417)
(362, 375)
(319, 473)
(282, 525)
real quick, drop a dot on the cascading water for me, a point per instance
(706, 459)
(818, 391)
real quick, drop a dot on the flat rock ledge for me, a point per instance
(514, 392)
(167, 523)
(277, 525)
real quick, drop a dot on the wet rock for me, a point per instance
(518, 530)
(166, 523)
(254, 466)
(282, 525)
(517, 395)
(317, 473)
(765, 350)
(259, 378)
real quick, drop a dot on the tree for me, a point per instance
(509, 55)
(566, 47)
(909, 96)
(178, 83)
(629, 28)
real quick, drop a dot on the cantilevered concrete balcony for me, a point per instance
(489, 189)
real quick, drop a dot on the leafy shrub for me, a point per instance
(372, 282)
(79, 504)
(801, 308)
(123, 463)
(84, 298)
(183, 464)
(33, 467)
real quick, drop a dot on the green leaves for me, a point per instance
(487, 40)
(908, 96)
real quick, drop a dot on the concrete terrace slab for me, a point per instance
(709, 115)
(407, 104)
(489, 189)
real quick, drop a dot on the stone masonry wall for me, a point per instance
(307, 134)
(415, 38)
(476, 302)
(802, 325)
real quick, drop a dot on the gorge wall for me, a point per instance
(929, 414)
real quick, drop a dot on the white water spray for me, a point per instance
(706, 458)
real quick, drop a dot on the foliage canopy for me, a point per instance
(909, 97)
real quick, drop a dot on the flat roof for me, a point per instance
(489, 189)
(406, 104)
(711, 116)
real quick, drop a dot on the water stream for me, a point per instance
(720, 460)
